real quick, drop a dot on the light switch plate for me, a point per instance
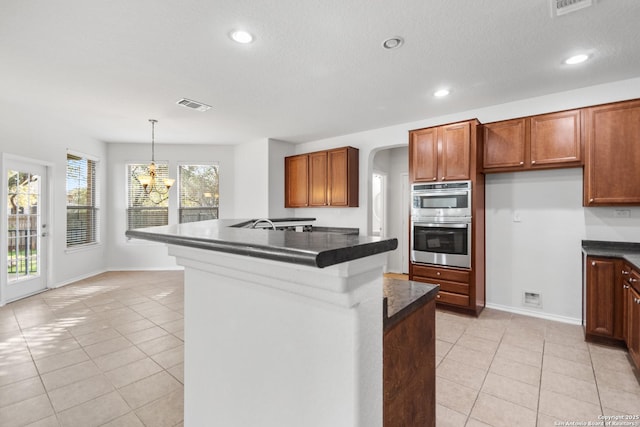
(621, 213)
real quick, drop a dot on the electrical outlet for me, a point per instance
(621, 213)
(516, 216)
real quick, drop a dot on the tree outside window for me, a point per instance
(82, 201)
(199, 197)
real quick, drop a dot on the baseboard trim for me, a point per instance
(75, 279)
(175, 267)
(531, 313)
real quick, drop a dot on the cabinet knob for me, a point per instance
(625, 286)
(437, 273)
(593, 263)
(632, 280)
(624, 273)
(521, 163)
(590, 200)
(443, 178)
(434, 179)
(438, 296)
(533, 162)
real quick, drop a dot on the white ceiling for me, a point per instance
(316, 68)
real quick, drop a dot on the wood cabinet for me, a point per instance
(322, 178)
(612, 154)
(409, 370)
(604, 298)
(457, 286)
(443, 153)
(537, 142)
(631, 283)
(296, 190)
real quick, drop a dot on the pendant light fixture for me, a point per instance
(149, 182)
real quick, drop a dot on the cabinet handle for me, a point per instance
(521, 163)
(438, 296)
(443, 178)
(590, 200)
(624, 273)
(593, 263)
(437, 273)
(632, 280)
(625, 286)
(533, 162)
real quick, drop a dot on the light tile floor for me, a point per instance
(109, 351)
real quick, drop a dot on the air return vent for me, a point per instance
(562, 7)
(195, 105)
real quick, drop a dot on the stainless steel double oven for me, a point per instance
(441, 223)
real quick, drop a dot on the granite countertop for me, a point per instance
(403, 297)
(628, 251)
(315, 249)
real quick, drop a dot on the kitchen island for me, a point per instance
(282, 328)
(409, 368)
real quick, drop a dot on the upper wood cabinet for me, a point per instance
(537, 142)
(322, 178)
(612, 150)
(442, 153)
(296, 177)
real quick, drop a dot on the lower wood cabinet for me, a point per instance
(457, 286)
(605, 298)
(612, 303)
(409, 369)
(632, 313)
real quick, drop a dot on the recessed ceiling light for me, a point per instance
(240, 36)
(576, 59)
(393, 42)
(441, 93)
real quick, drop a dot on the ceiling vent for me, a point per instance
(562, 7)
(195, 105)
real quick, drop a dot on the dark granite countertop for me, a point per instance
(403, 297)
(315, 249)
(628, 251)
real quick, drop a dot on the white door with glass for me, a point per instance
(26, 229)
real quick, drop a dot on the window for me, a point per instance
(198, 186)
(82, 201)
(146, 210)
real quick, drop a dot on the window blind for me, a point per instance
(198, 187)
(83, 221)
(146, 210)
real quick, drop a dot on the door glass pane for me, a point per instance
(23, 216)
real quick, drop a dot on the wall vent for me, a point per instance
(195, 105)
(532, 299)
(562, 7)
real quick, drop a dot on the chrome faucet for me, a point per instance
(263, 220)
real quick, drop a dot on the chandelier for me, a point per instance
(150, 182)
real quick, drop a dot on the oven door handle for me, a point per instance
(443, 193)
(440, 225)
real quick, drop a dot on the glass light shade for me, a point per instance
(169, 182)
(145, 180)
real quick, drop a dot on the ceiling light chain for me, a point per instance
(149, 181)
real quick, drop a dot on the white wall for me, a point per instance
(25, 132)
(561, 299)
(278, 150)
(251, 179)
(134, 254)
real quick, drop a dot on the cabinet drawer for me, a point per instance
(453, 299)
(445, 285)
(441, 273)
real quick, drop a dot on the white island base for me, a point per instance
(276, 344)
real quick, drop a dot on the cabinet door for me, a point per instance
(318, 179)
(604, 298)
(343, 177)
(505, 144)
(555, 139)
(633, 319)
(455, 147)
(612, 154)
(296, 170)
(423, 155)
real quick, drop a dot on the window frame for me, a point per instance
(94, 205)
(216, 196)
(159, 165)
